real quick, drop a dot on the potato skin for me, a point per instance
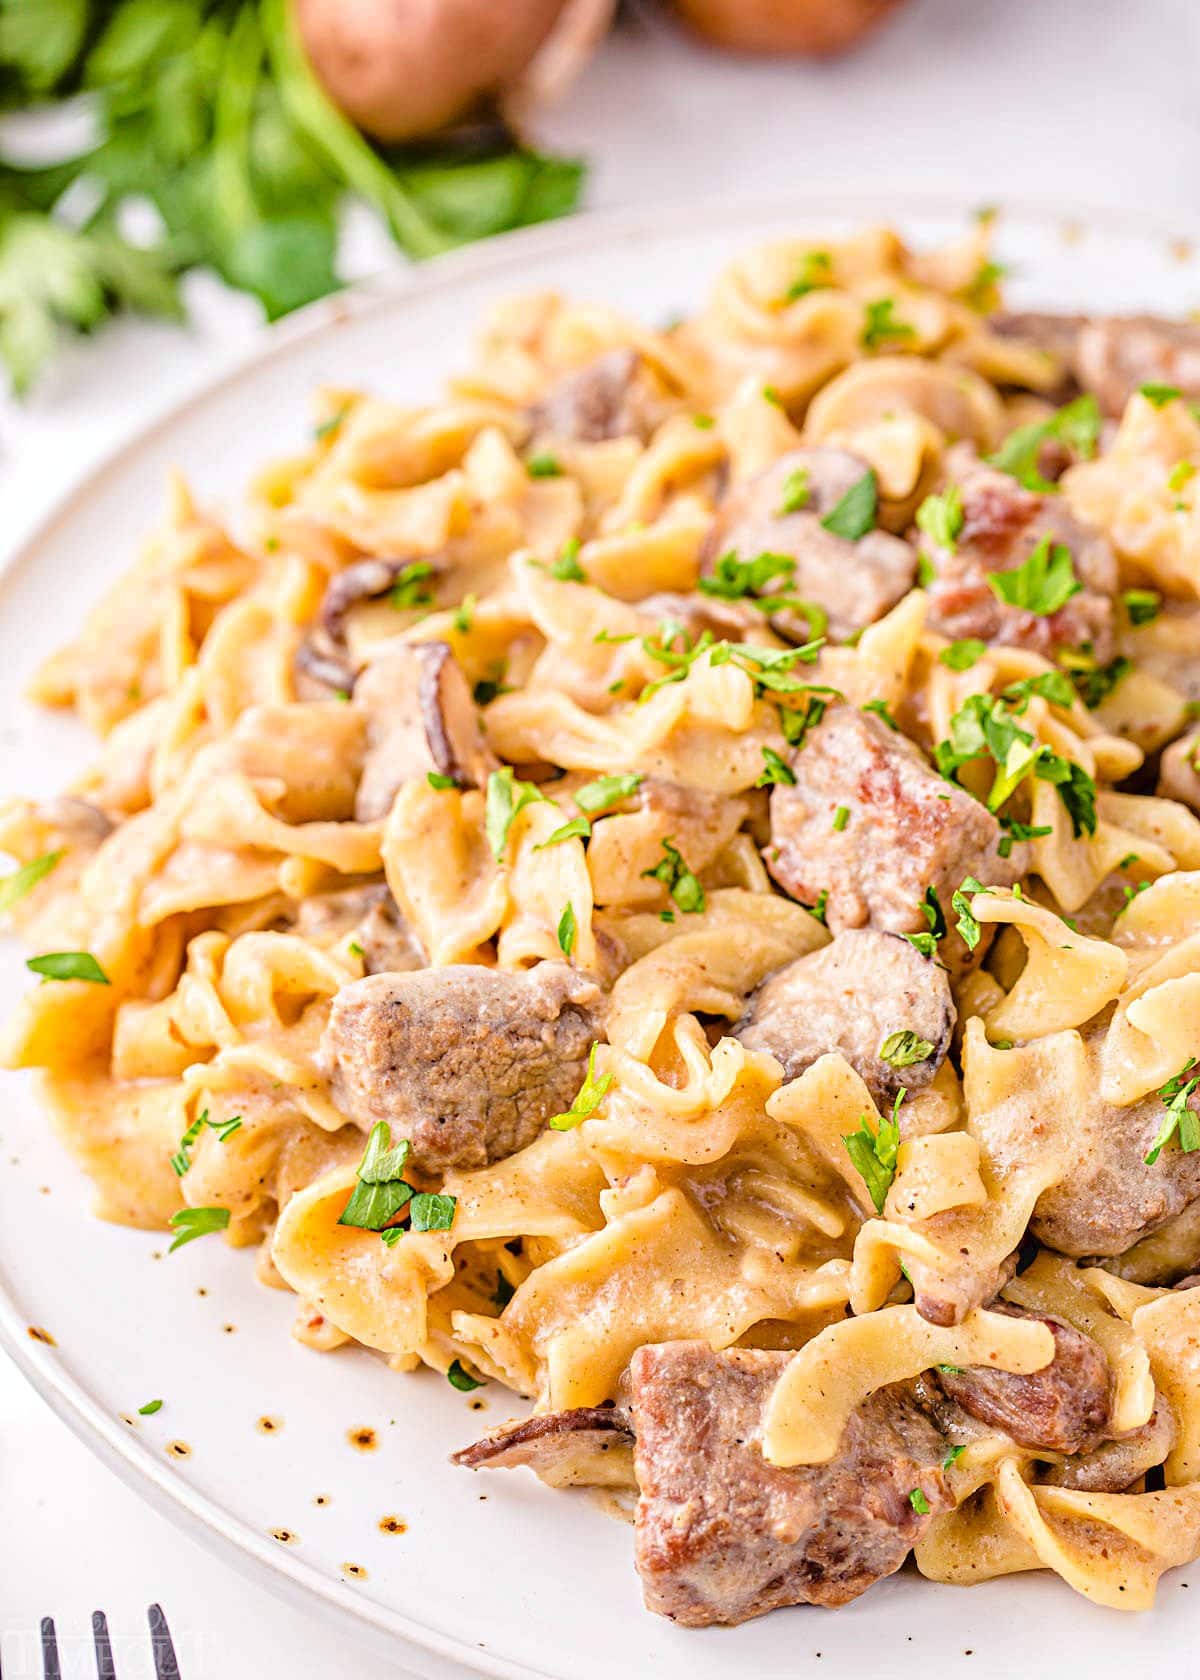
(817, 27)
(402, 69)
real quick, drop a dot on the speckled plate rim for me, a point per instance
(510, 255)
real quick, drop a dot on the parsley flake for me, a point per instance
(941, 517)
(149, 1409)
(1042, 584)
(1179, 1117)
(505, 798)
(567, 568)
(14, 887)
(903, 1048)
(775, 771)
(961, 655)
(854, 515)
(591, 1094)
(1077, 426)
(1142, 605)
(381, 1191)
(794, 492)
(460, 1378)
(919, 1502)
(881, 325)
(683, 886)
(606, 791)
(579, 828)
(873, 1152)
(411, 586)
(543, 465)
(68, 965)
(439, 782)
(567, 930)
(432, 1212)
(191, 1222)
(1159, 395)
(966, 925)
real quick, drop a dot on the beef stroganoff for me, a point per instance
(669, 880)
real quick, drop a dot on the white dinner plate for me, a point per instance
(494, 1572)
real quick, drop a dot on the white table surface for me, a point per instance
(1076, 103)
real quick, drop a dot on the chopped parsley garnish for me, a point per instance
(733, 579)
(464, 614)
(941, 517)
(567, 568)
(14, 887)
(954, 1454)
(68, 965)
(381, 1191)
(1094, 683)
(961, 655)
(1131, 892)
(1159, 395)
(591, 1094)
(192, 1222)
(1179, 1117)
(1181, 474)
(505, 798)
(771, 395)
(1077, 425)
(817, 910)
(980, 291)
(881, 325)
(903, 1048)
(951, 1370)
(703, 422)
(794, 492)
(1142, 605)
(966, 924)
(1075, 787)
(356, 949)
(181, 1160)
(683, 886)
(149, 1409)
(567, 930)
(816, 275)
(854, 515)
(798, 725)
(606, 791)
(410, 588)
(432, 1212)
(880, 708)
(332, 424)
(543, 465)
(775, 771)
(919, 1502)
(840, 818)
(1042, 584)
(926, 571)
(771, 669)
(439, 782)
(983, 726)
(873, 1153)
(460, 1378)
(1053, 686)
(579, 828)
(932, 911)
(926, 943)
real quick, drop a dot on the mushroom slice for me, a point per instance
(421, 717)
(955, 400)
(323, 655)
(591, 1446)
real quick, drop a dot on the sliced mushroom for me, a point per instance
(958, 402)
(611, 396)
(591, 1446)
(421, 717)
(323, 656)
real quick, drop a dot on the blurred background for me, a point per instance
(175, 174)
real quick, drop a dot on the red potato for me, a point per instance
(785, 26)
(401, 69)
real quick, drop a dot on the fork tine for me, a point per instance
(105, 1669)
(50, 1668)
(166, 1664)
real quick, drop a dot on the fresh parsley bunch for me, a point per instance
(208, 111)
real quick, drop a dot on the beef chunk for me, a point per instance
(1111, 355)
(1002, 524)
(849, 997)
(467, 1062)
(611, 396)
(586, 1447)
(368, 912)
(908, 829)
(421, 717)
(1114, 1466)
(1062, 1408)
(854, 582)
(725, 621)
(722, 1535)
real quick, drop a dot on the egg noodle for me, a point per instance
(646, 699)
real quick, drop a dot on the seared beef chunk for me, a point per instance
(612, 396)
(854, 582)
(722, 1535)
(1114, 1466)
(850, 997)
(1179, 777)
(587, 1447)
(1002, 524)
(466, 1062)
(369, 912)
(725, 621)
(1112, 355)
(421, 717)
(1062, 1408)
(907, 829)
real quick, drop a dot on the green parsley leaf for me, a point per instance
(1181, 475)
(1018, 831)
(432, 1212)
(439, 782)
(733, 579)
(955, 1453)
(68, 965)
(567, 930)
(543, 465)
(961, 655)
(1077, 425)
(904, 1047)
(841, 818)
(794, 492)
(854, 515)
(1042, 584)
(919, 1502)
(683, 886)
(1159, 395)
(391, 1235)
(1076, 789)
(1095, 683)
(923, 942)
(181, 1160)
(409, 589)
(192, 1222)
(941, 517)
(1179, 1117)
(1142, 605)
(880, 708)
(460, 1378)
(505, 798)
(14, 887)
(579, 828)
(381, 1191)
(149, 1409)
(331, 425)
(590, 1095)
(816, 275)
(775, 771)
(771, 395)
(951, 1370)
(1053, 686)
(703, 422)
(567, 568)
(926, 571)
(606, 791)
(881, 325)
(464, 614)
(873, 1152)
(966, 924)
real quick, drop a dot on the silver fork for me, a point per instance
(166, 1665)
